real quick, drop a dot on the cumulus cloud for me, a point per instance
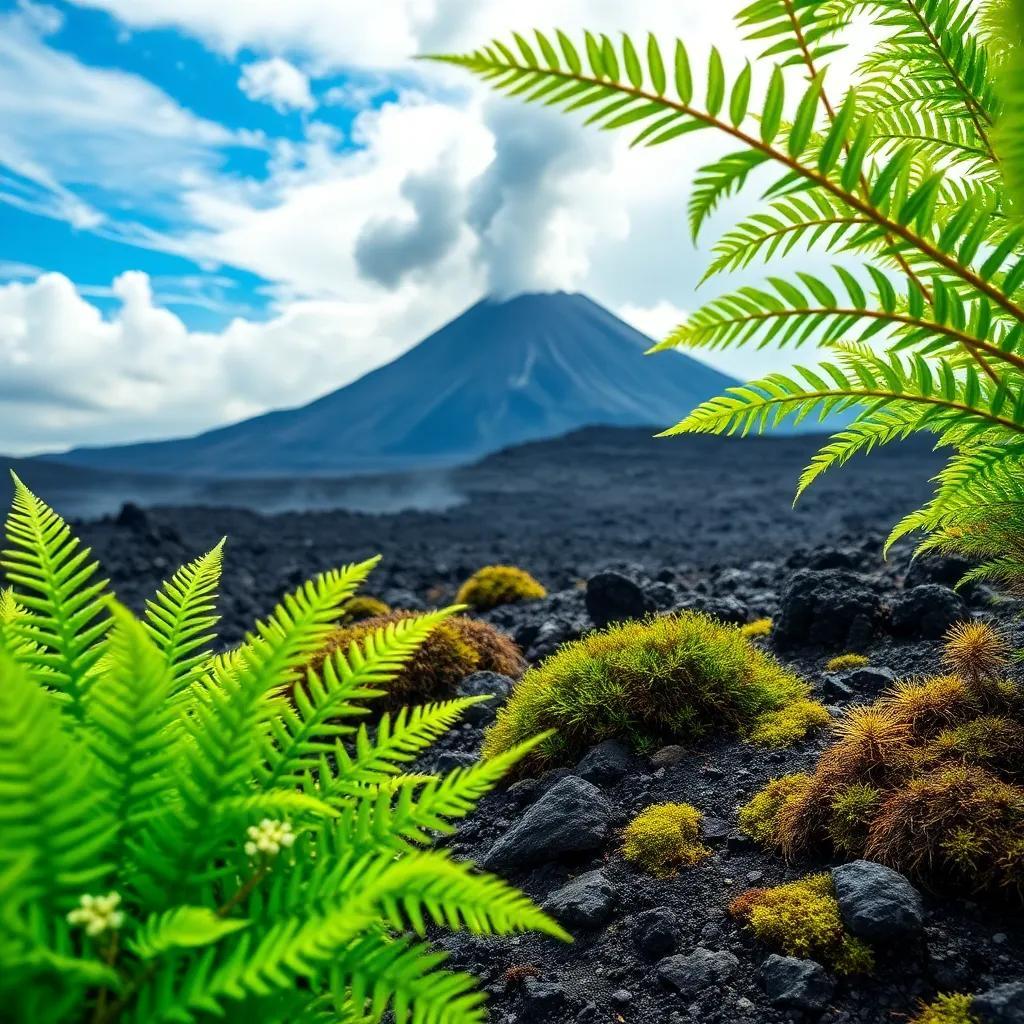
(388, 249)
(277, 82)
(70, 376)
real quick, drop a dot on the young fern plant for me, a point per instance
(906, 178)
(190, 836)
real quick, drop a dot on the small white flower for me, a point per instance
(269, 837)
(98, 914)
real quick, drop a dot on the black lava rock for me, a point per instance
(606, 763)
(481, 684)
(655, 932)
(697, 971)
(801, 984)
(831, 608)
(544, 997)
(1003, 1004)
(571, 817)
(876, 902)
(725, 609)
(945, 569)
(585, 902)
(612, 597)
(131, 517)
(928, 611)
(870, 681)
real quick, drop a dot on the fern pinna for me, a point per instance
(911, 177)
(190, 836)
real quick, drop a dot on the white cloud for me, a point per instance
(277, 82)
(69, 376)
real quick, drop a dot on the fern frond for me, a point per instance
(181, 928)
(226, 720)
(131, 727)
(54, 580)
(397, 741)
(302, 733)
(51, 812)
(181, 617)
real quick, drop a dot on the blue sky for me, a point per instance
(211, 208)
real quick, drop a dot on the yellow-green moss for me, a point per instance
(802, 919)
(853, 809)
(499, 584)
(664, 837)
(759, 817)
(671, 679)
(991, 741)
(362, 607)
(757, 629)
(456, 648)
(947, 1009)
(789, 724)
(845, 661)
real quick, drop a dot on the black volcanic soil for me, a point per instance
(696, 523)
(562, 509)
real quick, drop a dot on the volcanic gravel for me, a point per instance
(695, 523)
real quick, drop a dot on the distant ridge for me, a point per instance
(503, 373)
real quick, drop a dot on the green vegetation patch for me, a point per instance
(841, 662)
(664, 837)
(954, 1008)
(499, 584)
(672, 679)
(928, 779)
(802, 919)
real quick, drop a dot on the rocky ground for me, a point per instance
(616, 528)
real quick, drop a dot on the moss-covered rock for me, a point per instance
(926, 780)
(672, 679)
(362, 606)
(499, 584)
(664, 837)
(841, 662)
(802, 919)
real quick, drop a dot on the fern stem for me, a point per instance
(808, 396)
(967, 340)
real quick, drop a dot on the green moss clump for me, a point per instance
(853, 809)
(991, 742)
(759, 817)
(456, 648)
(802, 919)
(789, 724)
(362, 607)
(664, 837)
(499, 584)
(757, 629)
(844, 661)
(947, 1009)
(671, 679)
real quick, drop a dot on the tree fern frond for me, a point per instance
(381, 972)
(181, 617)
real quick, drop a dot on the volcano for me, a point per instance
(503, 373)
